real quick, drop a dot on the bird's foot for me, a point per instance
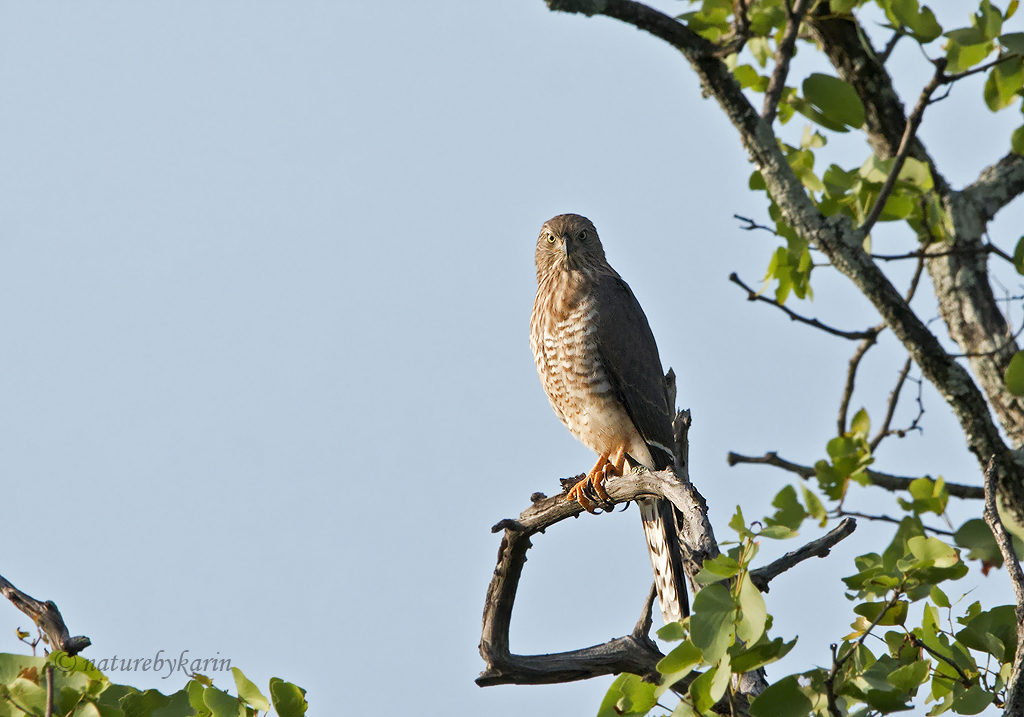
(593, 480)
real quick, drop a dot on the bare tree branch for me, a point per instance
(882, 480)
(841, 243)
(997, 186)
(888, 519)
(750, 225)
(634, 653)
(961, 281)
(754, 296)
(886, 52)
(783, 55)
(851, 376)
(819, 548)
(1015, 685)
(925, 254)
(47, 617)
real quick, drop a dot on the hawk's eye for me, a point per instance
(551, 238)
(583, 235)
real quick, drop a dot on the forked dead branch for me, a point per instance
(634, 652)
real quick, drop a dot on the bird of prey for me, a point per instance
(600, 368)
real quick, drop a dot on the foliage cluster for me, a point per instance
(952, 654)
(81, 690)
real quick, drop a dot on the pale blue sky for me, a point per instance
(265, 280)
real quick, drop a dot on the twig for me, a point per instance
(894, 399)
(830, 681)
(783, 55)
(49, 690)
(918, 642)
(816, 548)
(1015, 685)
(754, 296)
(915, 281)
(925, 254)
(883, 57)
(751, 225)
(740, 30)
(890, 519)
(851, 376)
(47, 617)
(909, 133)
(949, 79)
(642, 629)
(882, 480)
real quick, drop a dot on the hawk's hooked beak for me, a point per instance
(566, 249)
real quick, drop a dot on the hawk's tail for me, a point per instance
(659, 520)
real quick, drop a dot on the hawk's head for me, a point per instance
(568, 242)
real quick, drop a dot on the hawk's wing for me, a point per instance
(630, 357)
(631, 360)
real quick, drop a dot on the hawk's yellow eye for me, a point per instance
(551, 238)
(583, 235)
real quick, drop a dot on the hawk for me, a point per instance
(600, 368)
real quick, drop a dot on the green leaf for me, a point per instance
(1013, 41)
(289, 700)
(972, 700)
(932, 551)
(249, 691)
(784, 698)
(761, 654)
(835, 99)
(790, 513)
(753, 612)
(886, 701)
(976, 536)
(966, 36)
(626, 694)
(28, 694)
(712, 622)
(963, 56)
(87, 709)
(143, 704)
(1003, 84)
(1018, 255)
(707, 689)
(720, 567)
(989, 20)
(747, 76)
(917, 173)
(840, 7)
(760, 49)
(907, 678)
(676, 665)
(221, 704)
(1014, 376)
(895, 615)
(861, 424)
(739, 524)
(938, 597)
(671, 632)
(1017, 144)
(921, 23)
(815, 508)
(993, 631)
(195, 691)
(683, 709)
(637, 696)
